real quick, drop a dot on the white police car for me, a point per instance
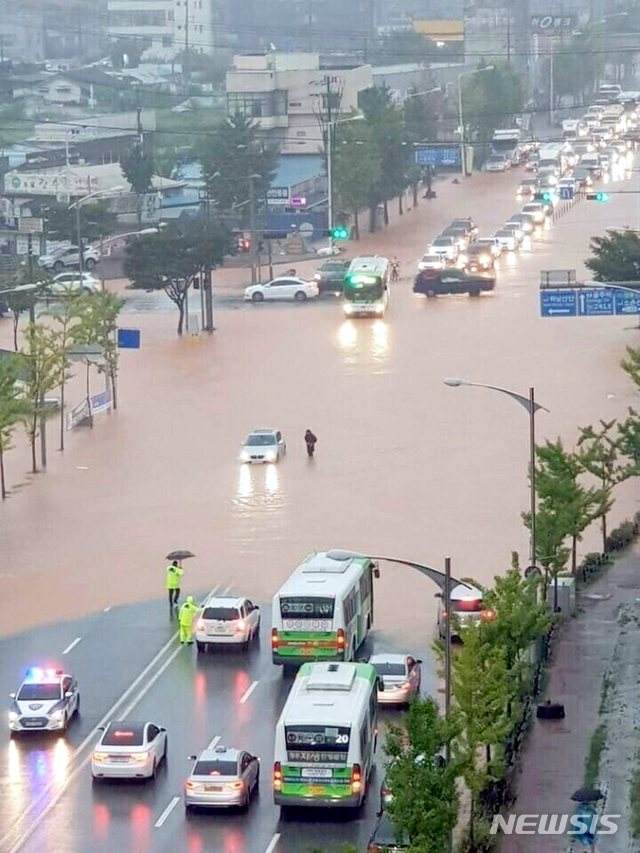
(47, 701)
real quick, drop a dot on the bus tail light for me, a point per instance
(341, 639)
(274, 638)
(356, 779)
(277, 776)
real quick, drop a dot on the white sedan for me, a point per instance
(431, 262)
(73, 283)
(263, 445)
(129, 750)
(286, 287)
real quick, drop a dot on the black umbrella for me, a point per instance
(179, 555)
(587, 795)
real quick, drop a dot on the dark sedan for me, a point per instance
(453, 281)
(330, 276)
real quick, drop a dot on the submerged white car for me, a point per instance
(263, 445)
(400, 676)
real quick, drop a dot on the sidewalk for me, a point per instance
(552, 764)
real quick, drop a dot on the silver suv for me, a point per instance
(69, 257)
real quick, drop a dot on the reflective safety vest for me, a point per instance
(174, 573)
(187, 613)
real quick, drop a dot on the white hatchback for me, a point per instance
(284, 288)
(129, 750)
(227, 620)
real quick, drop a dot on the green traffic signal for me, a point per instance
(340, 233)
(598, 197)
(546, 196)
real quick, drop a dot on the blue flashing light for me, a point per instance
(34, 674)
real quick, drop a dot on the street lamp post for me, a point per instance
(460, 116)
(528, 403)
(77, 205)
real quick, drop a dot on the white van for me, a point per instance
(592, 162)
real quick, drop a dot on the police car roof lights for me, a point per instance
(36, 674)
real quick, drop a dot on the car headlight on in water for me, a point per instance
(271, 456)
(56, 716)
(13, 717)
(245, 456)
(378, 307)
(484, 259)
(348, 309)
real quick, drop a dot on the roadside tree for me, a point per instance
(19, 303)
(230, 155)
(425, 801)
(138, 168)
(616, 256)
(43, 365)
(490, 100)
(481, 691)
(601, 454)
(356, 169)
(97, 323)
(172, 260)
(66, 319)
(96, 221)
(385, 121)
(12, 410)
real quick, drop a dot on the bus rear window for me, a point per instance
(467, 605)
(303, 607)
(318, 744)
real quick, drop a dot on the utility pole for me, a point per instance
(139, 118)
(447, 665)
(329, 163)
(185, 64)
(208, 287)
(32, 301)
(252, 225)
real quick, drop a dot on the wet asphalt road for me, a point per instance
(405, 466)
(49, 802)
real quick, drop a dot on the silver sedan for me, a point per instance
(222, 778)
(400, 676)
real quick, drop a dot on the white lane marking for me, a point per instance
(89, 738)
(213, 592)
(106, 610)
(226, 589)
(165, 814)
(214, 742)
(71, 646)
(149, 684)
(273, 843)
(249, 692)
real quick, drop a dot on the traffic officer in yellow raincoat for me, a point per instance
(185, 618)
(174, 573)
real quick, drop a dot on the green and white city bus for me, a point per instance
(366, 287)
(326, 736)
(324, 611)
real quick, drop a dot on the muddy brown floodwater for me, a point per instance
(404, 466)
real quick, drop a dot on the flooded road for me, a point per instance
(404, 465)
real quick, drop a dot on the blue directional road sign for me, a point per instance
(129, 338)
(595, 303)
(558, 303)
(626, 302)
(566, 193)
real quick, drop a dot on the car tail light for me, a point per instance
(236, 786)
(445, 614)
(356, 779)
(274, 638)
(140, 756)
(341, 639)
(277, 776)
(488, 615)
(240, 625)
(191, 786)
(199, 625)
(405, 685)
(374, 848)
(100, 756)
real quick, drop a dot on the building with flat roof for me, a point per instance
(286, 94)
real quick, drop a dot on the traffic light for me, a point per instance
(547, 196)
(598, 197)
(340, 233)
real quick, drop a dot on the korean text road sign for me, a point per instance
(558, 303)
(595, 303)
